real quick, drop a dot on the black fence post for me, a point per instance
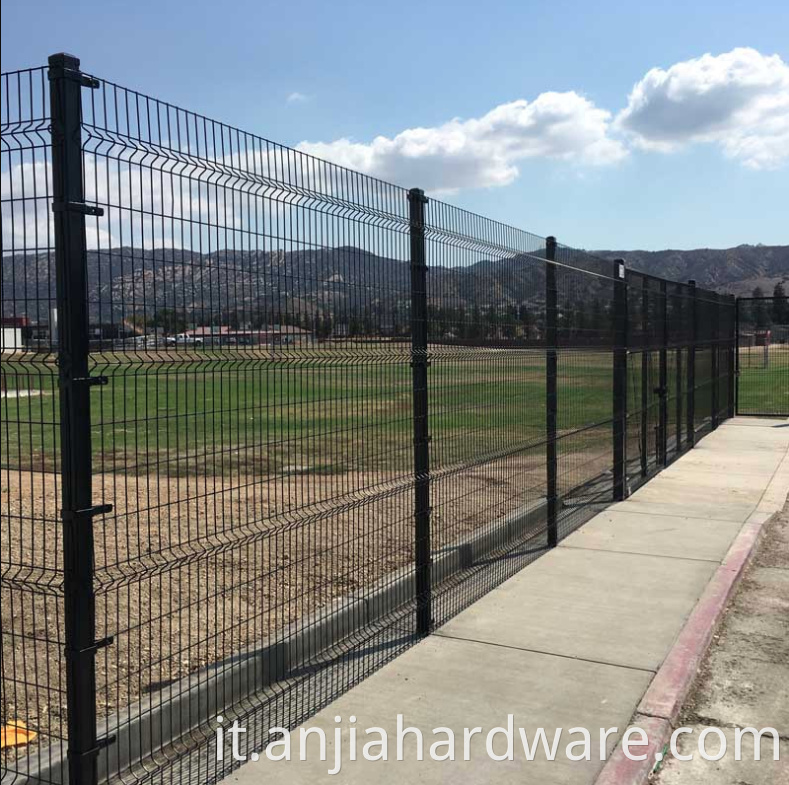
(419, 365)
(78, 510)
(644, 423)
(620, 381)
(715, 361)
(678, 401)
(691, 409)
(734, 367)
(662, 456)
(551, 390)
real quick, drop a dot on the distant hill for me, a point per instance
(733, 270)
(337, 281)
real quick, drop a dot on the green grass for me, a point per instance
(764, 386)
(325, 413)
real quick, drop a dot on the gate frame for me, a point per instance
(737, 375)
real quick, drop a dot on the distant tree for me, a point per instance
(169, 321)
(138, 321)
(780, 305)
(476, 327)
(231, 319)
(581, 320)
(462, 323)
(492, 322)
(526, 319)
(759, 312)
(566, 318)
(323, 327)
(509, 322)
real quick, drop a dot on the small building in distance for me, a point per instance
(13, 328)
(273, 335)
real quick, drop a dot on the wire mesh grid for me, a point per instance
(762, 355)
(31, 629)
(332, 414)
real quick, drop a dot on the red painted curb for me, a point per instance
(668, 690)
(621, 770)
(744, 546)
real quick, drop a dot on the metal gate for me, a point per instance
(763, 355)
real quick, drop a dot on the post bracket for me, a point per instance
(59, 72)
(102, 643)
(102, 743)
(87, 512)
(77, 207)
(92, 381)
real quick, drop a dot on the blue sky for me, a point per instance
(684, 166)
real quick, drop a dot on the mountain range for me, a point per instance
(127, 281)
(732, 270)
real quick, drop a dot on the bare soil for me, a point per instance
(744, 679)
(190, 570)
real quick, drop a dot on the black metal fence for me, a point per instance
(763, 356)
(268, 421)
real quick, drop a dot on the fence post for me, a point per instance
(551, 390)
(734, 366)
(419, 364)
(620, 381)
(715, 372)
(644, 429)
(662, 456)
(678, 394)
(691, 412)
(78, 510)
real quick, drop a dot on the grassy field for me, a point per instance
(337, 412)
(261, 488)
(764, 381)
(325, 412)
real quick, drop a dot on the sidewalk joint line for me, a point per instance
(690, 517)
(636, 553)
(772, 478)
(669, 515)
(440, 634)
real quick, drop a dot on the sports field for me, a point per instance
(251, 489)
(764, 380)
(314, 411)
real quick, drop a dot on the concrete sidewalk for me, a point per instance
(572, 640)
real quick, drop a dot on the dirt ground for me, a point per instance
(744, 681)
(191, 569)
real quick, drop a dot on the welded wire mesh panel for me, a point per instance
(33, 705)
(250, 309)
(486, 387)
(585, 394)
(327, 416)
(487, 391)
(646, 303)
(763, 356)
(679, 338)
(708, 345)
(726, 356)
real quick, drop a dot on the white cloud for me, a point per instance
(297, 98)
(738, 100)
(483, 151)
